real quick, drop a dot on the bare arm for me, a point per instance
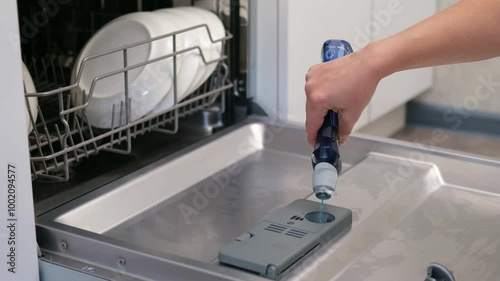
(467, 31)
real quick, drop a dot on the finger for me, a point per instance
(347, 120)
(315, 115)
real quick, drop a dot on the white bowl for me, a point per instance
(147, 84)
(188, 62)
(211, 51)
(29, 87)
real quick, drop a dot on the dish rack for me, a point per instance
(57, 143)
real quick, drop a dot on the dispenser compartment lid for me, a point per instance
(285, 239)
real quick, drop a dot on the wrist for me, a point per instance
(378, 59)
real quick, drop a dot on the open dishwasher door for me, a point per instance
(411, 207)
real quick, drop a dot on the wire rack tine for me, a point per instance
(30, 114)
(51, 147)
(113, 125)
(36, 134)
(72, 143)
(80, 133)
(38, 139)
(64, 137)
(127, 100)
(122, 113)
(65, 158)
(68, 105)
(91, 132)
(59, 136)
(34, 176)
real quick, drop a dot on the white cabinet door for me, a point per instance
(303, 27)
(388, 18)
(263, 55)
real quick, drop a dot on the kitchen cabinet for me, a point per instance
(287, 35)
(308, 25)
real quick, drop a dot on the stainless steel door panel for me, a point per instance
(457, 227)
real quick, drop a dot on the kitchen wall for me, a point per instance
(455, 85)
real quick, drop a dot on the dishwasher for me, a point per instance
(158, 197)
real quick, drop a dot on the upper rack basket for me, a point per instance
(67, 137)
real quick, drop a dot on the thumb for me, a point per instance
(347, 119)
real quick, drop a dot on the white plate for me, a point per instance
(147, 84)
(211, 51)
(188, 63)
(29, 87)
(224, 7)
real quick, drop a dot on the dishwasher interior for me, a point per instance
(158, 197)
(66, 149)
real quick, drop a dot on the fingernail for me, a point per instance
(344, 140)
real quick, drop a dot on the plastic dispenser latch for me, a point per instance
(437, 272)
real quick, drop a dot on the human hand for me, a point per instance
(344, 85)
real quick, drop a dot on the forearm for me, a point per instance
(467, 31)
